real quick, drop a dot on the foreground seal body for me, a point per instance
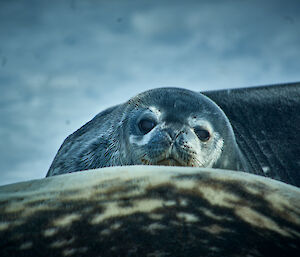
(164, 126)
(150, 211)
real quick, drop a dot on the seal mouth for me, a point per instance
(169, 162)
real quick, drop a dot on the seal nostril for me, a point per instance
(178, 134)
(171, 133)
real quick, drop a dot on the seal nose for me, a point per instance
(173, 132)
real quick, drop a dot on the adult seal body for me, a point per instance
(164, 126)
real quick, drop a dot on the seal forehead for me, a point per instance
(179, 99)
(181, 107)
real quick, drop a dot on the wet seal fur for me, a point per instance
(164, 126)
(150, 211)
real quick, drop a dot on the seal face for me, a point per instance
(164, 126)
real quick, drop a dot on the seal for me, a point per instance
(163, 126)
(150, 211)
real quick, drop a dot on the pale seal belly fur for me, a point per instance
(163, 126)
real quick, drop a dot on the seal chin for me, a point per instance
(170, 162)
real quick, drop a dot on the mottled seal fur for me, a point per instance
(150, 211)
(163, 126)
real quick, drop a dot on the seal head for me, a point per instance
(163, 126)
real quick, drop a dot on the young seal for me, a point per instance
(163, 126)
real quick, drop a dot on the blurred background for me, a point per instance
(62, 62)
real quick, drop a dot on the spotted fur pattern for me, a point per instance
(150, 211)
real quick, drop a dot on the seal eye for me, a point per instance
(202, 134)
(146, 125)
